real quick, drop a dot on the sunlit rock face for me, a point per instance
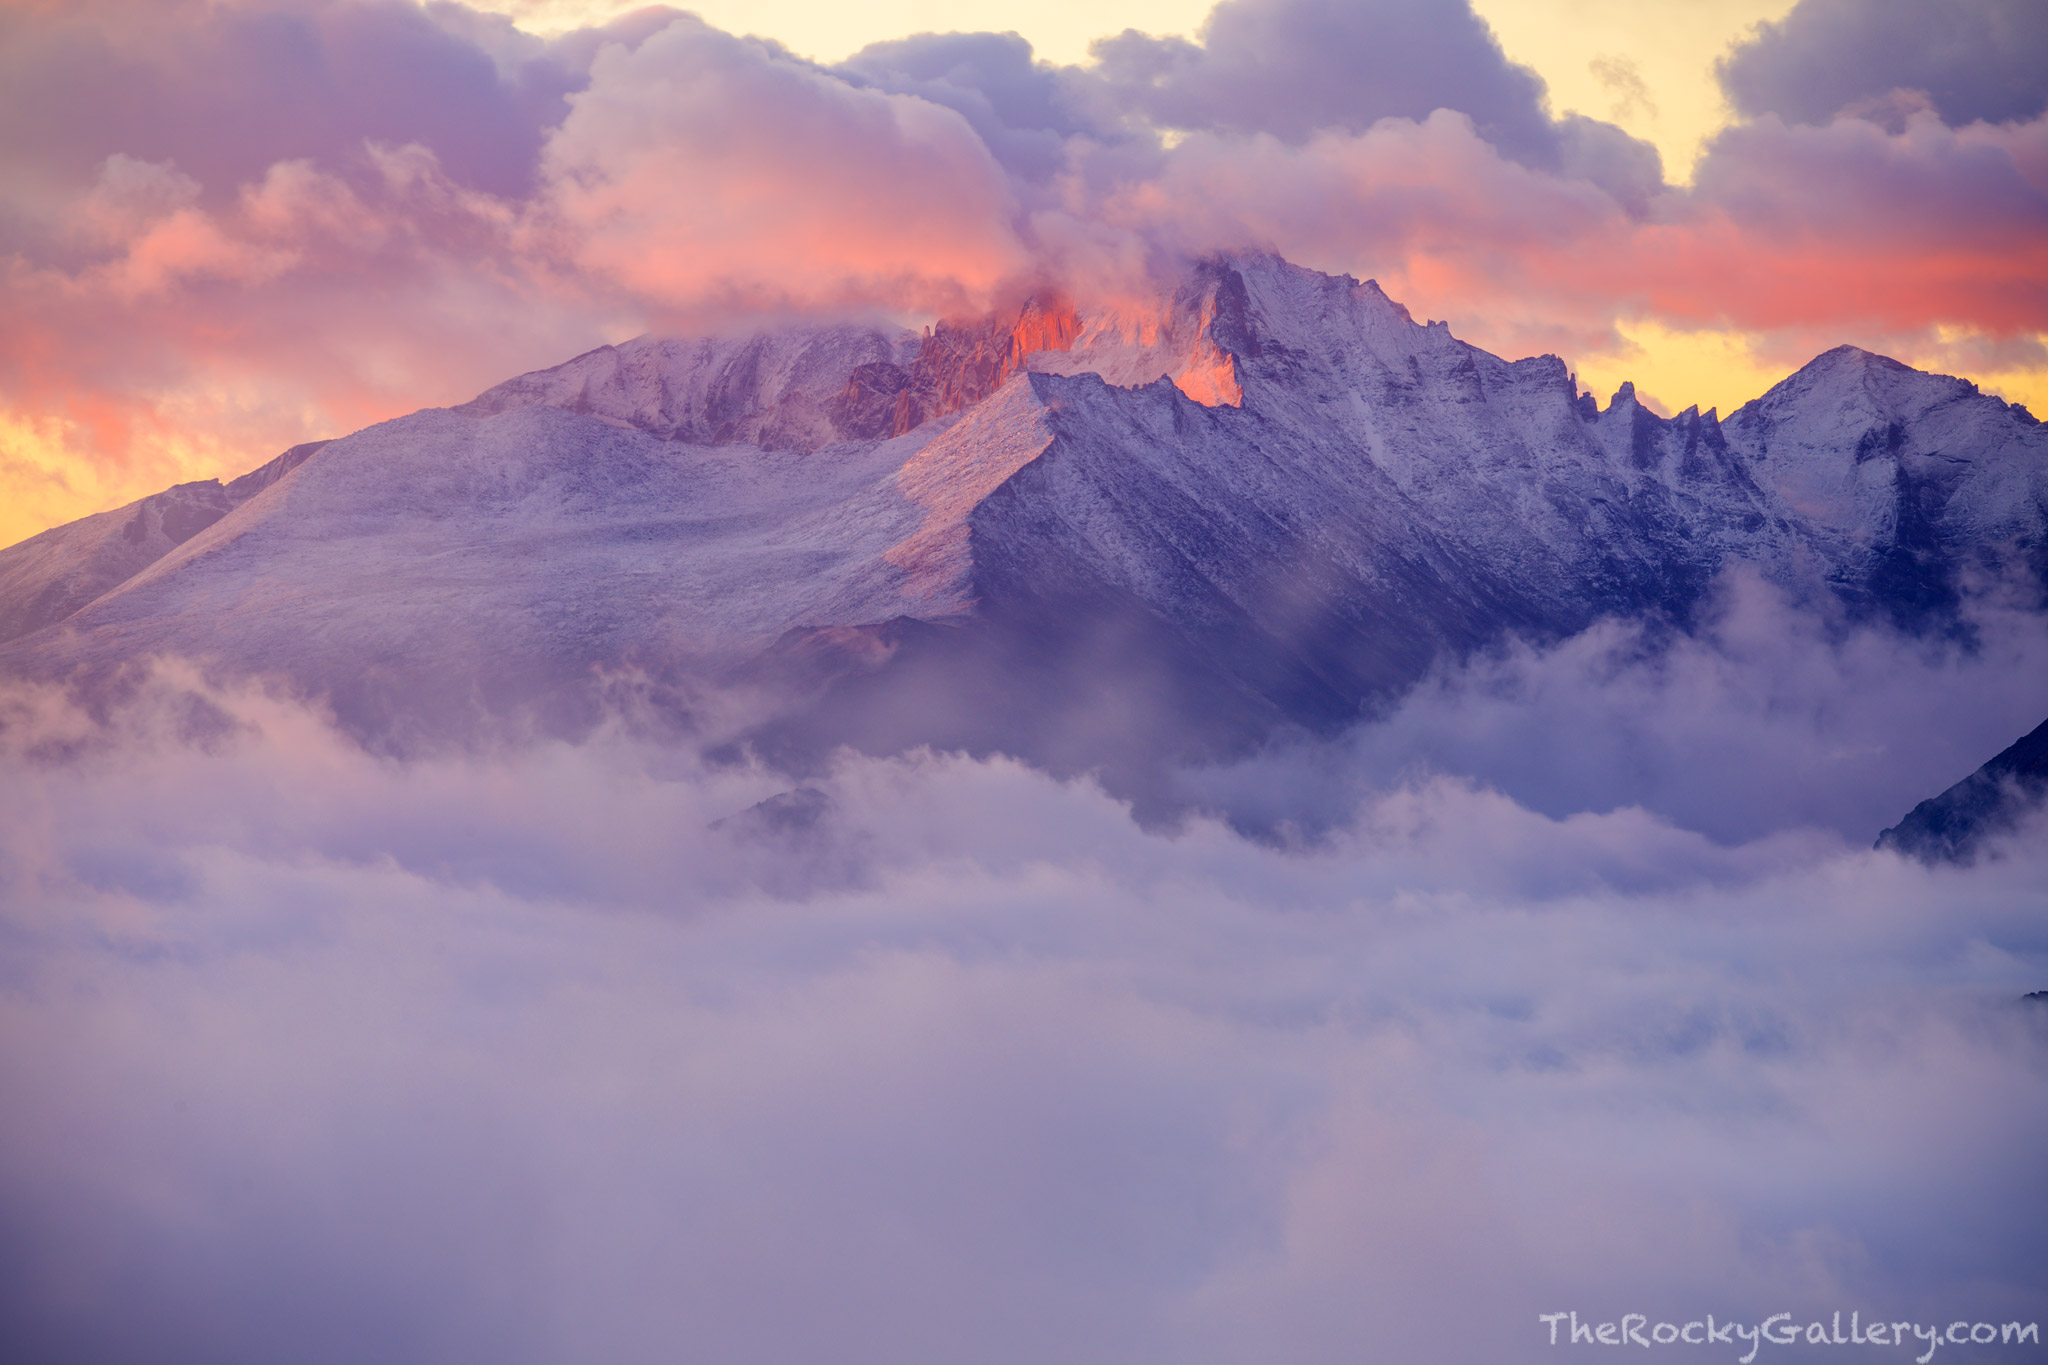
(959, 365)
(1266, 500)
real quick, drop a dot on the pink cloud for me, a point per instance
(700, 166)
(179, 281)
(700, 177)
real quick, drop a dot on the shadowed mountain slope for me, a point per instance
(1956, 825)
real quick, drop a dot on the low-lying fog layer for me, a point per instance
(575, 1054)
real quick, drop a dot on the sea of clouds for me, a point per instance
(1572, 984)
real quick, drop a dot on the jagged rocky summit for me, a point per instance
(1095, 538)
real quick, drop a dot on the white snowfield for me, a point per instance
(1279, 474)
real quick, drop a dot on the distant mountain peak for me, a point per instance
(1859, 379)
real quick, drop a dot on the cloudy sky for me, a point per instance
(230, 225)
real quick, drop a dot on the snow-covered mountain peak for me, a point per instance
(1266, 496)
(1624, 397)
(805, 388)
(1259, 305)
(1855, 383)
(1873, 449)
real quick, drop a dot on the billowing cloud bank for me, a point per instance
(582, 1053)
(229, 226)
(1766, 718)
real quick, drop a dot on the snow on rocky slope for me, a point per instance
(779, 391)
(48, 577)
(1274, 499)
(1905, 482)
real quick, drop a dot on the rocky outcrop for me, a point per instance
(957, 365)
(1961, 822)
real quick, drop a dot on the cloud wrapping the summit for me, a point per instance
(253, 233)
(698, 165)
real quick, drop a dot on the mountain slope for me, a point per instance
(1956, 825)
(49, 577)
(779, 391)
(1273, 499)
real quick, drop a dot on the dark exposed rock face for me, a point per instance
(1956, 825)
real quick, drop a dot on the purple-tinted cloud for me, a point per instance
(523, 1056)
(1974, 59)
(226, 91)
(1024, 109)
(1294, 68)
(1766, 719)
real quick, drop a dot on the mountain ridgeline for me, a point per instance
(1101, 540)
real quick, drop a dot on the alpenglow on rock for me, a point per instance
(1093, 538)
